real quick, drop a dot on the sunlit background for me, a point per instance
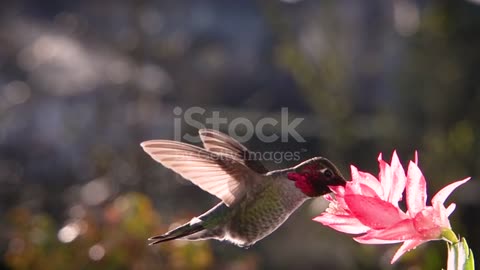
(82, 83)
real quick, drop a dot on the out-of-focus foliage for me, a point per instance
(82, 83)
(109, 237)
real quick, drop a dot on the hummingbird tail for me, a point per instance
(179, 232)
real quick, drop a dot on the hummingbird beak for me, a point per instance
(339, 181)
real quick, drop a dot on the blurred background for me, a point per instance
(82, 83)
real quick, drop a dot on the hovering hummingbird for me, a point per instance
(255, 201)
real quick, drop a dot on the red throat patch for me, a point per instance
(303, 180)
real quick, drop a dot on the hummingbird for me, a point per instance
(254, 200)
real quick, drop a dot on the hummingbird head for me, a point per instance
(313, 176)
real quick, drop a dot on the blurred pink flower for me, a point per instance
(369, 206)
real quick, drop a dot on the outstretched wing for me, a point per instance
(219, 175)
(223, 144)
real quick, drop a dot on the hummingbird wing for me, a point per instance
(219, 175)
(223, 144)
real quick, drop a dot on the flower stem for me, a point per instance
(449, 236)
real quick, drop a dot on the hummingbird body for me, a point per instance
(255, 202)
(263, 211)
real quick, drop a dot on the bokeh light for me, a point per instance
(68, 233)
(96, 252)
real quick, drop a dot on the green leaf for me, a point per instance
(460, 256)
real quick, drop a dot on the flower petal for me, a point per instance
(385, 176)
(328, 197)
(362, 179)
(373, 212)
(443, 194)
(337, 189)
(431, 221)
(398, 180)
(374, 241)
(361, 189)
(401, 231)
(416, 190)
(342, 223)
(450, 209)
(354, 186)
(441, 216)
(366, 190)
(407, 246)
(337, 200)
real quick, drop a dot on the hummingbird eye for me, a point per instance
(328, 173)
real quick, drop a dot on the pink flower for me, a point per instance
(369, 206)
